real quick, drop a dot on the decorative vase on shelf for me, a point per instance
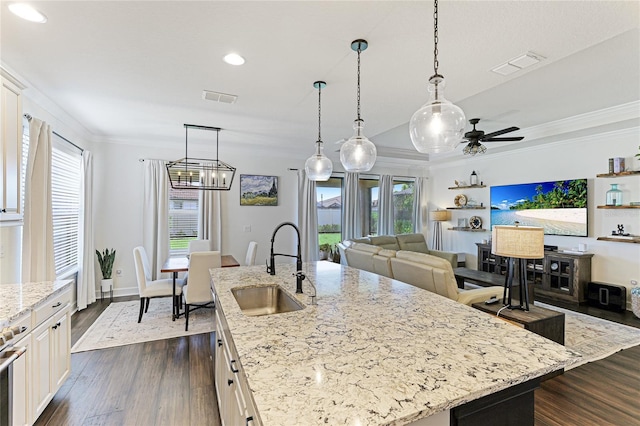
(473, 179)
(614, 196)
(635, 301)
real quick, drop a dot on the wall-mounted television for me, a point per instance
(560, 207)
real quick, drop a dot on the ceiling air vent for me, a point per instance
(219, 97)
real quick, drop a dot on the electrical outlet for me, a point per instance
(247, 228)
(118, 272)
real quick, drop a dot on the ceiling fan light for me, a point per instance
(439, 125)
(358, 153)
(318, 167)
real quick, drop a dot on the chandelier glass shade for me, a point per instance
(200, 173)
(358, 153)
(438, 126)
(319, 167)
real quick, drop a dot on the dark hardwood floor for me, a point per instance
(170, 382)
(166, 382)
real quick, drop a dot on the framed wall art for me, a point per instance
(258, 190)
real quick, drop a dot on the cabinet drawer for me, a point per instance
(51, 306)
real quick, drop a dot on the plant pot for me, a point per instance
(635, 301)
(106, 285)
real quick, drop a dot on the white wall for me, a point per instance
(584, 157)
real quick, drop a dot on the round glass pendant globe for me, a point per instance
(318, 167)
(358, 154)
(437, 127)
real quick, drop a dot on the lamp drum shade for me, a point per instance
(521, 242)
(440, 215)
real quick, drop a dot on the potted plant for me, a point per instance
(325, 250)
(105, 259)
(335, 254)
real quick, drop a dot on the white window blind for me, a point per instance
(183, 219)
(66, 164)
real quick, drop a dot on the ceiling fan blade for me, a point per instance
(508, 139)
(500, 132)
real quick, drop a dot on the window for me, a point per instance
(368, 189)
(183, 219)
(329, 199)
(403, 211)
(66, 166)
(66, 169)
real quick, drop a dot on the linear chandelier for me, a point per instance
(200, 173)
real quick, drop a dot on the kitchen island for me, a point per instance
(372, 351)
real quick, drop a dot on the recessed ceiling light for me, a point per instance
(234, 59)
(27, 12)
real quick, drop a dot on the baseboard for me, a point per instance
(119, 292)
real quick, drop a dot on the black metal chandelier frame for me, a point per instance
(200, 173)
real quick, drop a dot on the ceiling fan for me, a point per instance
(476, 137)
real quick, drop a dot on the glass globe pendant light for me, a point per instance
(318, 166)
(358, 154)
(439, 125)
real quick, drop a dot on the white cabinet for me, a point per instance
(234, 399)
(10, 147)
(21, 377)
(51, 359)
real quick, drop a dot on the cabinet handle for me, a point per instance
(232, 365)
(249, 419)
(229, 382)
(219, 342)
(55, 326)
(58, 324)
(57, 304)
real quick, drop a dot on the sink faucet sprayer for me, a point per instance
(271, 267)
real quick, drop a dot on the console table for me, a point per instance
(542, 321)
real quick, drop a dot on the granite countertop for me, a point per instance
(19, 299)
(373, 350)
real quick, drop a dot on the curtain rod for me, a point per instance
(28, 117)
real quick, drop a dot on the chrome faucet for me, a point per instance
(271, 267)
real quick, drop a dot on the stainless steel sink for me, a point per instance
(265, 300)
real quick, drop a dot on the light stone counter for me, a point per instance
(17, 300)
(373, 350)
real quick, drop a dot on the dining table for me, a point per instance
(177, 264)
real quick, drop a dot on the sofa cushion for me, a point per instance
(412, 242)
(385, 241)
(361, 256)
(363, 240)
(382, 262)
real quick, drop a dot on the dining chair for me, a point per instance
(250, 260)
(195, 245)
(198, 293)
(147, 287)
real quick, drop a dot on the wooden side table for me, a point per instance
(545, 322)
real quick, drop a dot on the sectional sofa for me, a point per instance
(426, 271)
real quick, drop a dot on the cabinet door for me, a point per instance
(41, 369)
(561, 275)
(10, 150)
(21, 388)
(60, 349)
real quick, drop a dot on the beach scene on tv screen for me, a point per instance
(560, 207)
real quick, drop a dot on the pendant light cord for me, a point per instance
(319, 110)
(358, 96)
(435, 37)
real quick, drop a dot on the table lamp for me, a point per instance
(439, 216)
(517, 242)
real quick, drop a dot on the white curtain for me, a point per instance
(350, 221)
(307, 217)
(86, 255)
(209, 218)
(385, 206)
(37, 239)
(420, 204)
(155, 215)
